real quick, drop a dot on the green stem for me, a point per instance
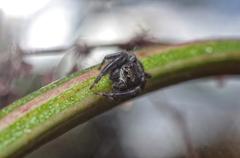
(56, 108)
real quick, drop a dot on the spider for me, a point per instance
(126, 73)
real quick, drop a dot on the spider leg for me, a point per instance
(119, 61)
(146, 75)
(114, 75)
(132, 58)
(127, 93)
(109, 57)
(143, 78)
(141, 65)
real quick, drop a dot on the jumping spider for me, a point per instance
(126, 72)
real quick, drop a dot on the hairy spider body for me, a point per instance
(126, 72)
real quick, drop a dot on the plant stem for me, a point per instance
(56, 108)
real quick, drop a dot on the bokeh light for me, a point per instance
(22, 8)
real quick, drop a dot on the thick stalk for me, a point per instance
(56, 108)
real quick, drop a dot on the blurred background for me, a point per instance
(44, 40)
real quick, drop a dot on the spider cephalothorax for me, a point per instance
(126, 72)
